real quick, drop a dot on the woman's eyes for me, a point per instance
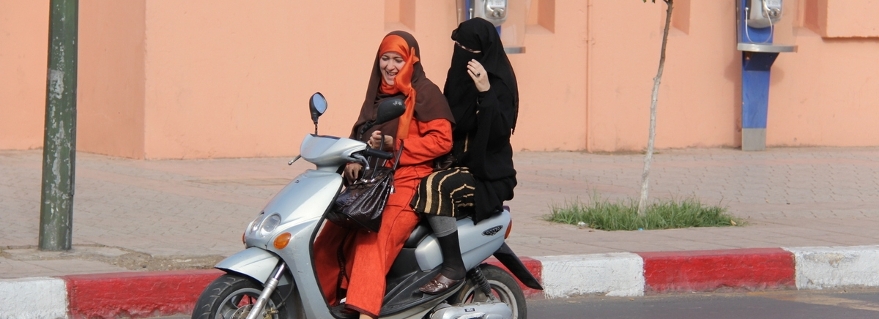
(396, 60)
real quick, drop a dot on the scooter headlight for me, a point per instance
(254, 225)
(270, 223)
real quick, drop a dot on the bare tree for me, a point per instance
(645, 175)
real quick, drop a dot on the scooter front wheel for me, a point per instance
(232, 297)
(503, 287)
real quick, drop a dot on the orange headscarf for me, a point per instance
(403, 80)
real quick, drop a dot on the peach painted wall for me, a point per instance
(226, 78)
(698, 93)
(221, 78)
(552, 79)
(24, 38)
(111, 77)
(231, 78)
(843, 19)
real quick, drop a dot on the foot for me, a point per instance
(343, 312)
(439, 284)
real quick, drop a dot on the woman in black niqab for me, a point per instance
(483, 95)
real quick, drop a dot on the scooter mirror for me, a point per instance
(318, 105)
(389, 109)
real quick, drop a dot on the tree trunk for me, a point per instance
(645, 175)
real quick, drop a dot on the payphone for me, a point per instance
(764, 30)
(508, 16)
(763, 13)
(495, 11)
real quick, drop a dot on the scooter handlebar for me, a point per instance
(378, 153)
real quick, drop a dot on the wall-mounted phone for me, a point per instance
(507, 16)
(763, 13)
(495, 11)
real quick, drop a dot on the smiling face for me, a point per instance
(390, 64)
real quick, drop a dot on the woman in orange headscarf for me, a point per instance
(426, 128)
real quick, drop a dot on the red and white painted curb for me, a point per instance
(149, 294)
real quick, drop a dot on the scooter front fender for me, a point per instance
(252, 262)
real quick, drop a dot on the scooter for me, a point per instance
(274, 276)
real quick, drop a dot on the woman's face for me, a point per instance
(390, 64)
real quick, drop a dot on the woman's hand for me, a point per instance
(376, 139)
(479, 75)
(352, 171)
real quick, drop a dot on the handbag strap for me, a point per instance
(397, 159)
(377, 165)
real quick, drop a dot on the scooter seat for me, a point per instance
(421, 231)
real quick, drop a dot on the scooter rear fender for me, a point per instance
(509, 259)
(252, 262)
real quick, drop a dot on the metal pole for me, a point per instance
(59, 140)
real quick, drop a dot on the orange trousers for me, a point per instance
(368, 256)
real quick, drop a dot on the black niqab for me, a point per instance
(479, 35)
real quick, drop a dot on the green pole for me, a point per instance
(59, 139)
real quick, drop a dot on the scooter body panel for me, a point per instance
(299, 206)
(298, 258)
(305, 198)
(324, 151)
(415, 266)
(253, 262)
(478, 242)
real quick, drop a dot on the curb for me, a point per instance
(136, 294)
(753, 269)
(149, 294)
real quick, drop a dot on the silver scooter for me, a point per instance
(274, 276)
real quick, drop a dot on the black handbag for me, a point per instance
(361, 204)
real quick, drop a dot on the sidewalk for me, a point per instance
(144, 216)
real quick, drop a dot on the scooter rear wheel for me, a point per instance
(231, 296)
(503, 287)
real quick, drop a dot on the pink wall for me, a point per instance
(552, 79)
(226, 78)
(234, 80)
(111, 77)
(842, 19)
(699, 89)
(824, 100)
(24, 38)
(221, 78)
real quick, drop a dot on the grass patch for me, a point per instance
(623, 215)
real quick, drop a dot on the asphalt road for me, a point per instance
(757, 305)
(851, 304)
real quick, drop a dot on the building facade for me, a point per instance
(225, 78)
